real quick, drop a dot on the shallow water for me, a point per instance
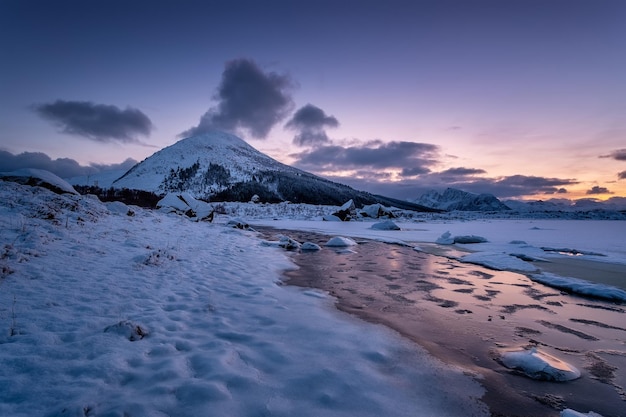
(467, 315)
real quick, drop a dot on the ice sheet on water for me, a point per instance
(499, 261)
(582, 287)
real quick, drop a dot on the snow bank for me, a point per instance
(33, 176)
(539, 365)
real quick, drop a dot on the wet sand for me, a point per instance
(466, 315)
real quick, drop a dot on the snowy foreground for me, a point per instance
(107, 310)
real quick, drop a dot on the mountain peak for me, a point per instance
(200, 164)
(455, 199)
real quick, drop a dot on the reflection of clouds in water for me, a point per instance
(470, 306)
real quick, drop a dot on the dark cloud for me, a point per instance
(621, 175)
(311, 138)
(311, 117)
(502, 187)
(598, 190)
(618, 155)
(374, 155)
(310, 122)
(247, 98)
(98, 122)
(462, 171)
(63, 167)
(413, 172)
(539, 184)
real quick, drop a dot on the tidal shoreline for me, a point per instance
(464, 315)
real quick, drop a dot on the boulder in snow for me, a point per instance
(376, 211)
(288, 243)
(185, 203)
(469, 239)
(346, 212)
(131, 331)
(238, 224)
(117, 207)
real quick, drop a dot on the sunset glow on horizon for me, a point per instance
(524, 99)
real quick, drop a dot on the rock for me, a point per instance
(238, 224)
(346, 212)
(376, 211)
(469, 239)
(288, 243)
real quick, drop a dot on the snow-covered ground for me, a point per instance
(109, 310)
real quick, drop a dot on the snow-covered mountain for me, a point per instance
(221, 166)
(204, 164)
(565, 205)
(454, 199)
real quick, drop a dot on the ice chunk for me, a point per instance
(386, 225)
(539, 365)
(340, 242)
(498, 261)
(310, 246)
(445, 239)
(568, 412)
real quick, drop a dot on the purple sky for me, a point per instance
(523, 99)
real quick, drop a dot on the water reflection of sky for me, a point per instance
(505, 309)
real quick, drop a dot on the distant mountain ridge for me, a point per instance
(219, 166)
(453, 199)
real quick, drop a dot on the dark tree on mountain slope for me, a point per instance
(181, 179)
(216, 174)
(135, 197)
(244, 191)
